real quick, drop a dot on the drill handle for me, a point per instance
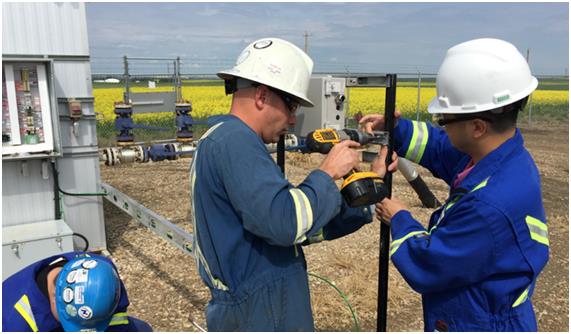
(313, 145)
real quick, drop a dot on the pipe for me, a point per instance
(414, 179)
(417, 183)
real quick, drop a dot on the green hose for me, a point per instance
(355, 320)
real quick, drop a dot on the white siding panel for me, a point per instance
(44, 29)
(26, 199)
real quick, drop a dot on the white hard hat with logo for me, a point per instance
(275, 63)
(481, 75)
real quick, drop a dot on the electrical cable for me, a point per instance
(84, 239)
(353, 313)
(56, 180)
(57, 199)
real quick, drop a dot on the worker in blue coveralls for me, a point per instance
(477, 263)
(70, 292)
(249, 221)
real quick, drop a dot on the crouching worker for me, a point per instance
(70, 292)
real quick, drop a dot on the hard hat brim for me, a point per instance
(231, 74)
(435, 107)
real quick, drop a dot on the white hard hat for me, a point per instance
(481, 75)
(275, 63)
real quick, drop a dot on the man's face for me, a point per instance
(51, 281)
(279, 117)
(458, 132)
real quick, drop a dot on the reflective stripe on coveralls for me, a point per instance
(396, 243)
(303, 213)
(418, 142)
(120, 318)
(23, 307)
(521, 298)
(317, 237)
(538, 230)
(200, 260)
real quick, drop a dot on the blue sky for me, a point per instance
(354, 37)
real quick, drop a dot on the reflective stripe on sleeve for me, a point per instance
(418, 141)
(303, 212)
(396, 243)
(522, 298)
(317, 237)
(200, 260)
(538, 230)
(452, 202)
(23, 307)
(120, 318)
(481, 185)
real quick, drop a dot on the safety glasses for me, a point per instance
(291, 104)
(443, 122)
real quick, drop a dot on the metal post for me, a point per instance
(174, 80)
(305, 45)
(126, 95)
(529, 113)
(390, 100)
(281, 153)
(178, 80)
(418, 99)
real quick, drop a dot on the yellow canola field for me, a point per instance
(211, 100)
(206, 101)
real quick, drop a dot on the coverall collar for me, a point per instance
(491, 162)
(40, 305)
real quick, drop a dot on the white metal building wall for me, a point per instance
(47, 28)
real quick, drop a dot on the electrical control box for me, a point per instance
(25, 244)
(328, 96)
(27, 126)
(49, 137)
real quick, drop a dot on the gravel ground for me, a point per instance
(166, 291)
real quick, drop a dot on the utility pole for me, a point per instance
(530, 96)
(305, 45)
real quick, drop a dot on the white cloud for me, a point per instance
(357, 34)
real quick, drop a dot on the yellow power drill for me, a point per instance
(358, 188)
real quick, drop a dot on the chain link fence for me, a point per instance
(420, 88)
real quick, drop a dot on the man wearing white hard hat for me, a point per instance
(477, 263)
(249, 221)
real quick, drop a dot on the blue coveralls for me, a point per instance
(249, 224)
(476, 266)
(35, 314)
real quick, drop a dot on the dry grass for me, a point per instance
(166, 291)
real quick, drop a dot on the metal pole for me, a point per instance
(174, 81)
(281, 153)
(179, 81)
(305, 45)
(529, 113)
(390, 100)
(418, 99)
(126, 95)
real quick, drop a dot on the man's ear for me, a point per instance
(261, 96)
(480, 128)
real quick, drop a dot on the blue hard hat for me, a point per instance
(87, 294)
